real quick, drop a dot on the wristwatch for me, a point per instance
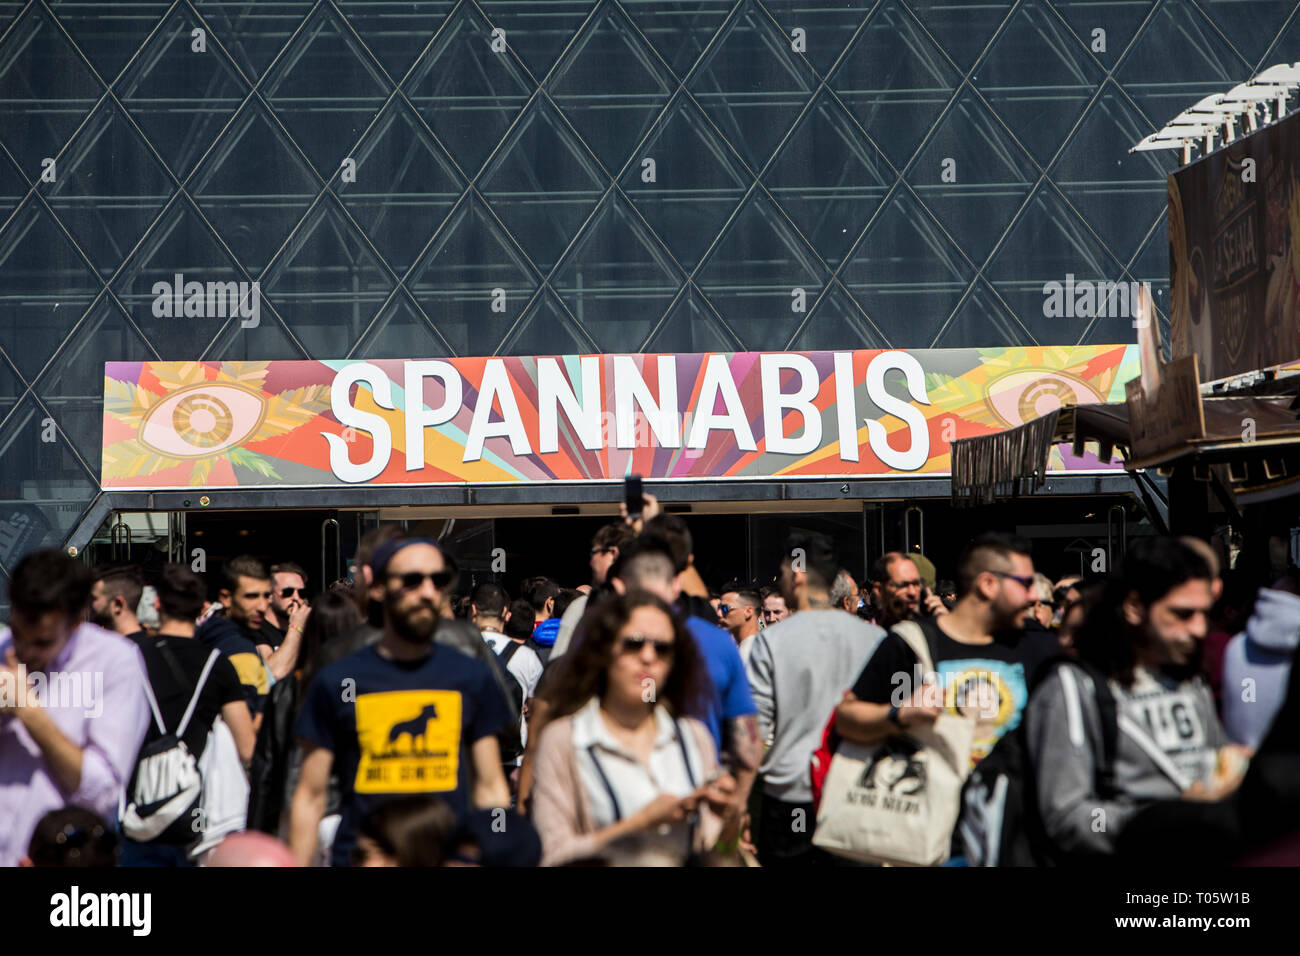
(893, 717)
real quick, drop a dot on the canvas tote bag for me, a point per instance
(896, 802)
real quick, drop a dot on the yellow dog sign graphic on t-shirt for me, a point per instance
(409, 741)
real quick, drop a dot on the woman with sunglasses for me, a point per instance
(622, 774)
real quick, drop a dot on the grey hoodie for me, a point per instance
(1167, 730)
(798, 671)
(1256, 666)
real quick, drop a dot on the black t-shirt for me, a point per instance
(990, 680)
(173, 696)
(236, 644)
(268, 633)
(400, 727)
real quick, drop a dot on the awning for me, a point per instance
(1258, 436)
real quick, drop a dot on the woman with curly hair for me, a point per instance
(623, 775)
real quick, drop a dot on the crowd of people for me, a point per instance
(394, 718)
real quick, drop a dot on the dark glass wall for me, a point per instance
(629, 175)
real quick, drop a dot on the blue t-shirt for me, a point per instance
(400, 727)
(546, 632)
(731, 697)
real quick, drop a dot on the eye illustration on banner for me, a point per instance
(1024, 395)
(202, 420)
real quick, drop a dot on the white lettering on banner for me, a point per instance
(554, 390)
(418, 417)
(630, 387)
(775, 402)
(917, 455)
(496, 386)
(718, 382)
(662, 415)
(340, 404)
(846, 406)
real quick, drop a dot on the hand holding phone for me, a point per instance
(633, 496)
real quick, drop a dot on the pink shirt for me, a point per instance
(94, 692)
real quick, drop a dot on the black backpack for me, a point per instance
(999, 823)
(517, 690)
(166, 786)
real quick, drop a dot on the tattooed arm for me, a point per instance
(743, 753)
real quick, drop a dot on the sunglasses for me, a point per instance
(265, 595)
(1023, 582)
(636, 642)
(414, 579)
(290, 592)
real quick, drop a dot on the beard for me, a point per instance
(103, 618)
(414, 624)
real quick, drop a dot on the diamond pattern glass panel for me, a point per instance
(679, 31)
(472, 282)
(1050, 243)
(181, 245)
(1041, 117)
(254, 187)
(45, 89)
(972, 174)
(327, 284)
(110, 188)
(896, 81)
(73, 386)
(326, 120)
(685, 182)
(468, 93)
(829, 179)
(404, 186)
(180, 98)
(752, 85)
(1132, 191)
(611, 88)
(619, 280)
(762, 276)
(45, 286)
(253, 32)
(1178, 41)
(907, 275)
(601, 175)
(543, 184)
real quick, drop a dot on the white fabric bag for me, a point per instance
(896, 802)
(224, 803)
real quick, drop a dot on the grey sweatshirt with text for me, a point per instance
(1063, 730)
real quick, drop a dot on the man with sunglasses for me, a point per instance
(983, 661)
(739, 608)
(404, 715)
(288, 597)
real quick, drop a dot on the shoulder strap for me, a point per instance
(508, 651)
(173, 665)
(681, 742)
(1107, 712)
(609, 789)
(1135, 732)
(198, 689)
(153, 706)
(915, 638)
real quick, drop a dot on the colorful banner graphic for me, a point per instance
(787, 415)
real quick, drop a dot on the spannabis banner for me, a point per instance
(714, 415)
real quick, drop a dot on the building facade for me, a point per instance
(433, 179)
